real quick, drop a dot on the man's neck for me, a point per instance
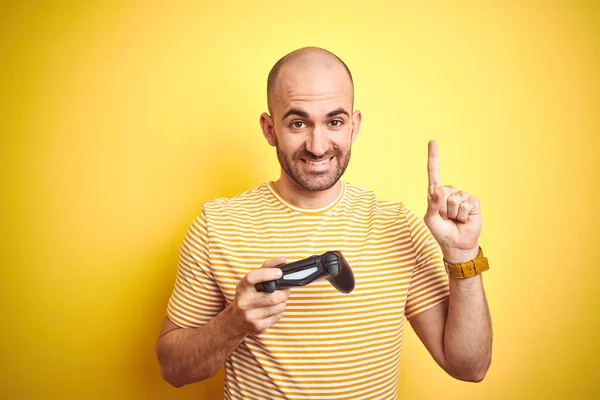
(302, 198)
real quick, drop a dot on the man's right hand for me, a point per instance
(192, 355)
(256, 311)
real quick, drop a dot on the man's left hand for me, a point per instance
(453, 216)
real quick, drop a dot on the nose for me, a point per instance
(317, 142)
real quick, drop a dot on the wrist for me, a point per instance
(236, 325)
(455, 256)
(468, 268)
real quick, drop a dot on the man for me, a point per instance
(311, 341)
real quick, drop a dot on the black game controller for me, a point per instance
(330, 265)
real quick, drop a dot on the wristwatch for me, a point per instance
(469, 268)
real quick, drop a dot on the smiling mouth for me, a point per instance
(317, 163)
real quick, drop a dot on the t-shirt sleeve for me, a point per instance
(196, 297)
(429, 284)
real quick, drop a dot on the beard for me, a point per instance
(314, 181)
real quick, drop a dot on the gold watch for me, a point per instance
(469, 268)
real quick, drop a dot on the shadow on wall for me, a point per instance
(226, 177)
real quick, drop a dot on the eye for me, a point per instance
(297, 125)
(336, 123)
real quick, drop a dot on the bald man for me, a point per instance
(312, 341)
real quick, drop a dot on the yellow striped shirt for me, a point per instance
(327, 345)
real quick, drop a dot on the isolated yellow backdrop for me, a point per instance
(120, 119)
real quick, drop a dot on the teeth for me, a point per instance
(316, 163)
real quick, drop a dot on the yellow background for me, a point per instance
(119, 119)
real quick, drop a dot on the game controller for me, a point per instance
(330, 265)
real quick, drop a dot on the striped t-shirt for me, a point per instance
(327, 345)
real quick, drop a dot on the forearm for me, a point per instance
(192, 355)
(468, 330)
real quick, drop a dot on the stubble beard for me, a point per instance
(314, 182)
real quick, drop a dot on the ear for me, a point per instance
(266, 123)
(356, 120)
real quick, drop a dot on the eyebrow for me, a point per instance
(338, 111)
(304, 114)
(295, 111)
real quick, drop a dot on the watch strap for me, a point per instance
(469, 268)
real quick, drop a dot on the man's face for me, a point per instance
(313, 125)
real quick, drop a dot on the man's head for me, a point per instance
(312, 124)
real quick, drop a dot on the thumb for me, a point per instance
(434, 203)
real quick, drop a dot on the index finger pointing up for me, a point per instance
(433, 166)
